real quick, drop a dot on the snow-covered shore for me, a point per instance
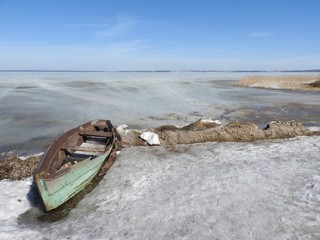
(200, 131)
(262, 190)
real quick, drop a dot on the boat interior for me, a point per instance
(86, 143)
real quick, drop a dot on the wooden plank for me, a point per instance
(96, 133)
(59, 190)
(84, 149)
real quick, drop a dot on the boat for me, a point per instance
(73, 160)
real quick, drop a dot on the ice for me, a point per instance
(209, 120)
(122, 129)
(151, 138)
(261, 190)
(13, 202)
(33, 155)
(314, 128)
(38, 107)
(266, 85)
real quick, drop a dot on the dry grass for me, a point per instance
(293, 82)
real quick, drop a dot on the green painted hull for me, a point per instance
(58, 190)
(73, 160)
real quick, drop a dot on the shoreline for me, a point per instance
(286, 82)
(14, 167)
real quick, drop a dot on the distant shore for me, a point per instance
(291, 82)
(164, 71)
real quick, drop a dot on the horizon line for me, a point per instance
(159, 71)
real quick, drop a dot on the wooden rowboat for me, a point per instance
(73, 160)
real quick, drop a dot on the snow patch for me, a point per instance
(266, 85)
(151, 138)
(122, 129)
(209, 120)
(13, 198)
(314, 128)
(34, 155)
(259, 190)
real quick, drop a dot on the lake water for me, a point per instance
(36, 107)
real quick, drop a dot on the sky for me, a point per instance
(159, 35)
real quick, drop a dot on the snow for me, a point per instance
(260, 190)
(209, 120)
(13, 202)
(14, 199)
(33, 155)
(122, 129)
(151, 138)
(314, 128)
(143, 100)
(266, 85)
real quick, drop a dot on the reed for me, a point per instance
(294, 82)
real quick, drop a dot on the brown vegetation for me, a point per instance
(198, 132)
(232, 132)
(14, 168)
(315, 84)
(293, 82)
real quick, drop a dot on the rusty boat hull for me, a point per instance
(73, 160)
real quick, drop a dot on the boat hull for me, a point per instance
(58, 178)
(56, 191)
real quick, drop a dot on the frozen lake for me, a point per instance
(260, 190)
(36, 107)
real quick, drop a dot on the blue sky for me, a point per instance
(159, 35)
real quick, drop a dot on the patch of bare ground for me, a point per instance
(14, 168)
(292, 82)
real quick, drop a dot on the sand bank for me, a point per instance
(292, 82)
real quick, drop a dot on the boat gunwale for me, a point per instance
(42, 176)
(46, 168)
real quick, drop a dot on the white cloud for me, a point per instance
(113, 56)
(122, 25)
(260, 34)
(136, 55)
(120, 48)
(87, 25)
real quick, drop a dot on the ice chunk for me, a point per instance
(122, 129)
(314, 128)
(151, 138)
(34, 155)
(209, 120)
